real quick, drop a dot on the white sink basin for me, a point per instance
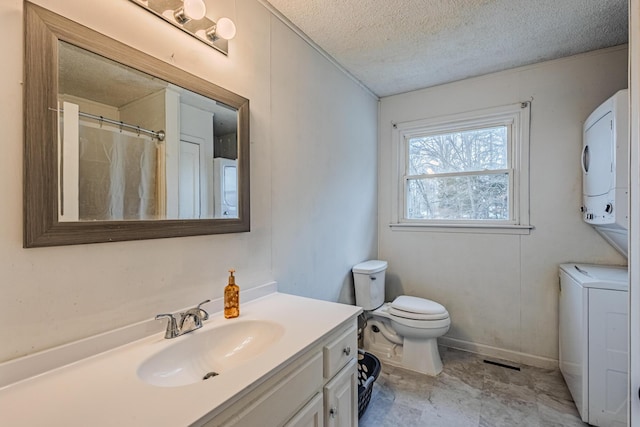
(208, 353)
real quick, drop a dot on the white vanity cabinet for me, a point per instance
(301, 376)
(318, 388)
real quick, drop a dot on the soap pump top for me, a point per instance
(231, 298)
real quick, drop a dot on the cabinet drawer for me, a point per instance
(338, 352)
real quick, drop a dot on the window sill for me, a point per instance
(464, 228)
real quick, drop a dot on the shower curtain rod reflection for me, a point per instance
(159, 134)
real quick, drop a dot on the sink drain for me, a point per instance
(210, 375)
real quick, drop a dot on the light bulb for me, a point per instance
(194, 9)
(225, 28)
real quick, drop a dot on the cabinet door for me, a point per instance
(310, 415)
(608, 357)
(277, 400)
(341, 398)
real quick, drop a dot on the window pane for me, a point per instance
(471, 197)
(465, 151)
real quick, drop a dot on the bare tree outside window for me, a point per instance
(462, 175)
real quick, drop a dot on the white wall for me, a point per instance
(502, 290)
(313, 176)
(324, 172)
(50, 296)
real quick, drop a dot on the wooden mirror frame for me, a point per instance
(43, 30)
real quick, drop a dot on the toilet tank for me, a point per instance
(368, 279)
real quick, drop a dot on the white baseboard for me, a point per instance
(499, 353)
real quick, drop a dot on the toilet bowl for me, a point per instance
(403, 332)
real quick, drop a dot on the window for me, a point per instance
(465, 171)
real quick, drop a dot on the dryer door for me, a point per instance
(597, 164)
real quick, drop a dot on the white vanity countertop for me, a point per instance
(105, 390)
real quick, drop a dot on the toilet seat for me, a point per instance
(383, 313)
(421, 324)
(414, 308)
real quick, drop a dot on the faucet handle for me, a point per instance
(170, 316)
(204, 315)
(172, 326)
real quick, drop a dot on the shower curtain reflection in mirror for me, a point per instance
(118, 174)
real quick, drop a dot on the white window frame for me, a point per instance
(516, 117)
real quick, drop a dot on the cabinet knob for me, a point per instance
(347, 351)
(333, 412)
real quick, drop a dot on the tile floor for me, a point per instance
(470, 393)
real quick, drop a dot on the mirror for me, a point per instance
(127, 147)
(135, 147)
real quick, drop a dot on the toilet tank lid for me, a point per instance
(370, 267)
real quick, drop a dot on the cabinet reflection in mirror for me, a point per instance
(135, 147)
(130, 147)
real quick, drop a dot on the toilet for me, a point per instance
(403, 332)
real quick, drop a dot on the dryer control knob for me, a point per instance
(609, 208)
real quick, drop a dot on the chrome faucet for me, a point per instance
(189, 321)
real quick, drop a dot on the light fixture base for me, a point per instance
(180, 16)
(211, 33)
(172, 12)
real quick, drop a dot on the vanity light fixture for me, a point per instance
(194, 9)
(225, 28)
(190, 17)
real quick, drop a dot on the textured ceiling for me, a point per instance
(402, 45)
(93, 77)
(89, 76)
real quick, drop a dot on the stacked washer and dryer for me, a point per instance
(605, 170)
(593, 306)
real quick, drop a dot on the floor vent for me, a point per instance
(503, 365)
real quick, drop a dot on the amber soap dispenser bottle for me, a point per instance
(231, 298)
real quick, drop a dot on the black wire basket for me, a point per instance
(368, 371)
